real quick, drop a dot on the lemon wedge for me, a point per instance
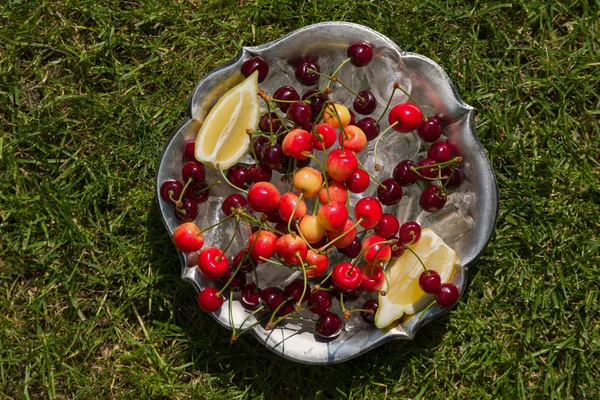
(222, 139)
(404, 295)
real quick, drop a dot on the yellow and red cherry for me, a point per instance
(433, 198)
(427, 168)
(440, 152)
(189, 151)
(311, 228)
(410, 232)
(360, 54)
(273, 157)
(308, 181)
(212, 262)
(299, 112)
(319, 302)
(331, 118)
(403, 173)
(260, 173)
(388, 226)
(171, 191)
(266, 242)
(359, 181)
(376, 253)
(316, 264)
(389, 192)
(233, 202)
(291, 249)
(291, 206)
(430, 281)
(306, 73)
(210, 300)
(372, 305)
(186, 211)
(193, 170)
(373, 278)
(365, 103)
(353, 250)
(430, 130)
(263, 197)
(272, 297)
(188, 237)
(406, 116)
(337, 192)
(341, 166)
(354, 139)
(369, 127)
(347, 238)
(287, 93)
(324, 135)
(238, 281)
(333, 216)
(346, 276)
(329, 325)
(397, 247)
(256, 64)
(250, 296)
(296, 142)
(447, 295)
(368, 209)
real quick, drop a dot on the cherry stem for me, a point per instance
(418, 258)
(305, 283)
(268, 100)
(337, 116)
(346, 61)
(289, 224)
(303, 238)
(342, 302)
(272, 261)
(187, 184)
(370, 176)
(333, 78)
(237, 224)
(425, 309)
(377, 166)
(323, 281)
(278, 320)
(323, 172)
(322, 249)
(242, 331)
(227, 180)
(218, 222)
(388, 103)
(408, 95)
(363, 251)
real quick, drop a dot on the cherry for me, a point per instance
(316, 264)
(238, 282)
(370, 210)
(316, 101)
(354, 139)
(430, 281)
(333, 216)
(353, 250)
(388, 226)
(266, 242)
(248, 264)
(308, 181)
(311, 228)
(290, 203)
(407, 117)
(410, 232)
(455, 176)
(188, 211)
(193, 170)
(369, 127)
(198, 193)
(232, 202)
(269, 122)
(295, 288)
(296, 142)
(329, 325)
(373, 305)
(335, 111)
(305, 73)
(299, 112)
(432, 199)
(447, 295)
(260, 173)
(373, 278)
(429, 171)
(273, 156)
(337, 192)
(239, 176)
(348, 232)
(346, 276)
(360, 54)
(365, 103)
(352, 118)
(341, 166)
(430, 130)
(258, 144)
(189, 151)
(263, 197)
(324, 135)
(272, 297)
(288, 308)
(288, 94)
(212, 262)
(390, 193)
(171, 191)
(349, 295)
(359, 181)
(291, 249)
(188, 237)
(403, 174)
(210, 300)
(256, 64)
(273, 215)
(319, 302)
(250, 296)
(374, 252)
(440, 152)
(397, 247)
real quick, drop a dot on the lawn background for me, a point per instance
(91, 303)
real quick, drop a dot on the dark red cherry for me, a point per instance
(373, 305)
(260, 173)
(189, 151)
(316, 100)
(171, 190)
(193, 170)
(388, 226)
(188, 211)
(430, 130)
(239, 176)
(447, 295)
(430, 281)
(319, 302)
(258, 144)
(256, 64)
(287, 93)
(299, 112)
(295, 289)
(390, 193)
(329, 325)
(440, 152)
(369, 127)
(403, 174)
(198, 193)
(352, 118)
(272, 297)
(238, 282)
(432, 199)
(360, 54)
(250, 296)
(269, 122)
(410, 232)
(305, 73)
(429, 171)
(455, 176)
(349, 296)
(353, 250)
(248, 264)
(273, 157)
(367, 104)
(397, 247)
(232, 202)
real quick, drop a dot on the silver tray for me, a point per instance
(432, 88)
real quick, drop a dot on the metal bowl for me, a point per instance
(473, 217)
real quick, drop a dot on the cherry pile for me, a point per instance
(312, 143)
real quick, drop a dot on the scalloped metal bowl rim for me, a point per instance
(432, 313)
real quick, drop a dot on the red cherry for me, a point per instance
(388, 226)
(346, 276)
(370, 210)
(430, 281)
(266, 242)
(352, 250)
(359, 181)
(447, 295)
(263, 197)
(333, 216)
(212, 263)
(373, 278)
(374, 252)
(390, 193)
(272, 297)
(407, 115)
(316, 264)
(341, 166)
(210, 300)
(324, 135)
(410, 232)
(188, 237)
(291, 249)
(348, 237)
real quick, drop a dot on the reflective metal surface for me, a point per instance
(431, 86)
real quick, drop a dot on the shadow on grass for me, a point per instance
(247, 364)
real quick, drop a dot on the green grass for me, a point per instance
(91, 302)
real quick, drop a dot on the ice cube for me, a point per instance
(281, 74)
(385, 69)
(450, 223)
